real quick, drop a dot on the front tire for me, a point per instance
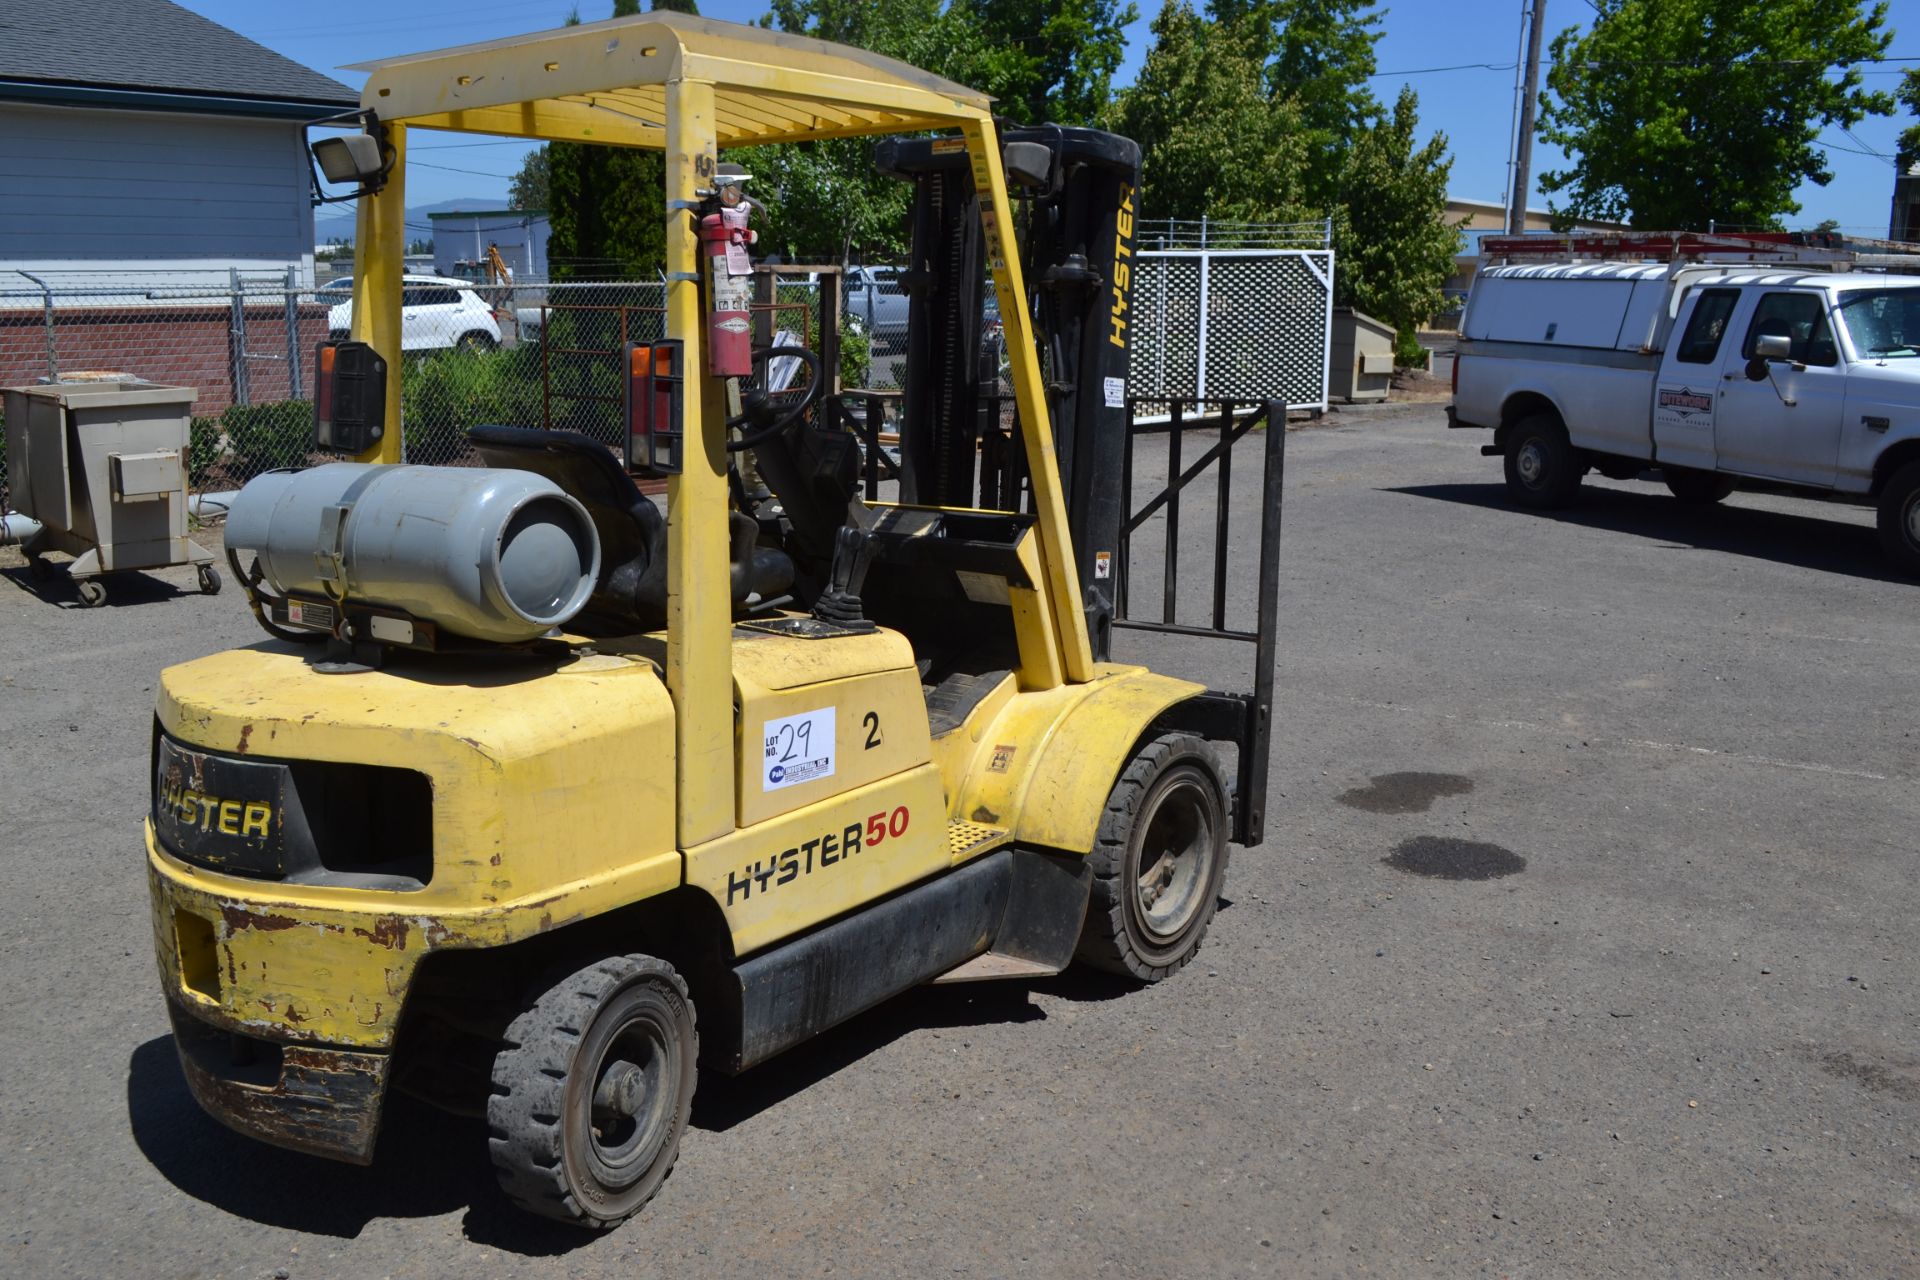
(1899, 520)
(1159, 859)
(1697, 488)
(1543, 469)
(592, 1087)
(474, 341)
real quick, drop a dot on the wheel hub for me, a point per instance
(620, 1093)
(1174, 858)
(1532, 462)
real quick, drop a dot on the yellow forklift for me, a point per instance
(527, 772)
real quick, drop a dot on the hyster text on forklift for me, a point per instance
(529, 773)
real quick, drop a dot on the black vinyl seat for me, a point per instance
(631, 594)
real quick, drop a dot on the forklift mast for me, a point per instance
(1075, 189)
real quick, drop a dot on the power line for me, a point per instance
(1708, 64)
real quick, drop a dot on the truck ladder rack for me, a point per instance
(1817, 249)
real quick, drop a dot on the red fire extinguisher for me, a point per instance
(725, 237)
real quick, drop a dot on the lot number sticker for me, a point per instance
(798, 749)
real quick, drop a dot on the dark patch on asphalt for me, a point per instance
(1902, 1084)
(1446, 858)
(1405, 792)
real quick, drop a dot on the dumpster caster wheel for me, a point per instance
(93, 594)
(38, 569)
(209, 580)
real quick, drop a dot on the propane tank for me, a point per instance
(724, 237)
(488, 554)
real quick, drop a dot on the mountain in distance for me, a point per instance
(337, 221)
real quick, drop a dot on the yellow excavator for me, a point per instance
(529, 773)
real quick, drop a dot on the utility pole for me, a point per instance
(1523, 140)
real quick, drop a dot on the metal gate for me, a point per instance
(1242, 324)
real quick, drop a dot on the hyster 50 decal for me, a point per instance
(820, 852)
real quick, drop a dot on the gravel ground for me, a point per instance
(1655, 1016)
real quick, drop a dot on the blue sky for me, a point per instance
(1472, 106)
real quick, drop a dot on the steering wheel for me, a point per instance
(761, 417)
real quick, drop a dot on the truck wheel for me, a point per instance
(1697, 488)
(1542, 468)
(1900, 520)
(592, 1086)
(1158, 861)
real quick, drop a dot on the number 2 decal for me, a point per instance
(872, 721)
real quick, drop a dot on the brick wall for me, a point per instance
(184, 344)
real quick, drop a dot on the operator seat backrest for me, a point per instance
(631, 594)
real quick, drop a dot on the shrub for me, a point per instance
(265, 436)
(205, 449)
(445, 392)
(856, 353)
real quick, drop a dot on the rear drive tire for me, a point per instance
(1159, 859)
(1543, 470)
(1697, 488)
(592, 1087)
(1900, 520)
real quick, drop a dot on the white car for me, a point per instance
(436, 313)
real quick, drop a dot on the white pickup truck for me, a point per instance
(1807, 379)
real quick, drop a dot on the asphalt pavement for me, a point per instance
(1581, 945)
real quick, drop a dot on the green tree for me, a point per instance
(1213, 141)
(1678, 113)
(606, 205)
(1319, 53)
(824, 199)
(1045, 60)
(1394, 246)
(528, 189)
(1908, 150)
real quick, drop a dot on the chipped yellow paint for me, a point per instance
(530, 828)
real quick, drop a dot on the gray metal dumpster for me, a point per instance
(102, 467)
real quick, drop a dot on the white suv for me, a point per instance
(435, 313)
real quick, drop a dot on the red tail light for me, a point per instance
(323, 388)
(654, 407)
(349, 397)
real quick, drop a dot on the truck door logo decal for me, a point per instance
(1685, 401)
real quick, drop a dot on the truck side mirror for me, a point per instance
(1768, 346)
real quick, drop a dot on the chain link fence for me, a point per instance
(531, 355)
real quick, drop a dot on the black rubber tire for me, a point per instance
(93, 592)
(1899, 520)
(546, 1074)
(209, 580)
(1175, 780)
(1697, 488)
(1543, 468)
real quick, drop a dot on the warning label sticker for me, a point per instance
(1116, 393)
